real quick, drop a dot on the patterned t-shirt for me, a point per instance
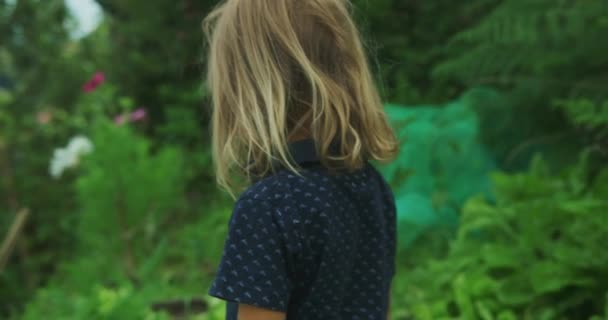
(318, 246)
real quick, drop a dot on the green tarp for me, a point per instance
(441, 163)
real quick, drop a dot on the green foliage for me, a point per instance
(42, 71)
(586, 113)
(40, 79)
(536, 253)
(159, 44)
(160, 48)
(535, 41)
(100, 303)
(32, 66)
(127, 192)
(538, 52)
(96, 285)
(406, 40)
(139, 243)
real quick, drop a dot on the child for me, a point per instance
(296, 115)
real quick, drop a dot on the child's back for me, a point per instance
(297, 117)
(319, 245)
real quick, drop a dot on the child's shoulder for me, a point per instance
(279, 186)
(277, 201)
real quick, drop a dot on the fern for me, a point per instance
(558, 42)
(536, 253)
(538, 51)
(586, 113)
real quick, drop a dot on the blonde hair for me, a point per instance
(279, 68)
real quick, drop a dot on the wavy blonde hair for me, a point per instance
(283, 69)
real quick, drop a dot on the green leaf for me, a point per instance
(463, 298)
(547, 277)
(506, 315)
(502, 256)
(484, 311)
(515, 291)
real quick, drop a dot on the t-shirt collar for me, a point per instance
(303, 151)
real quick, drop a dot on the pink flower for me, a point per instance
(138, 115)
(135, 116)
(120, 119)
(44, 117)
(98, 79)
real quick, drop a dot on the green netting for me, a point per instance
(441, 164)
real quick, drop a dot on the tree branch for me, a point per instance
(11, 238)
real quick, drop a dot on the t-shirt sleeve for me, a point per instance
(253, 269)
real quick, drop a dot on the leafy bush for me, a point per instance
(38, 77)
(96, 303)
(552, 44)
(129, 194)
(538, 252)
(586, 113)
(406, 40)
(541, 53)
(130, 198)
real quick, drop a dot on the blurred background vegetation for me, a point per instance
(108, 207)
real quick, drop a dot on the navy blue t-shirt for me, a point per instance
(318, 245)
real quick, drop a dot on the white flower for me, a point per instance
(80, 145)
(68, 157)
